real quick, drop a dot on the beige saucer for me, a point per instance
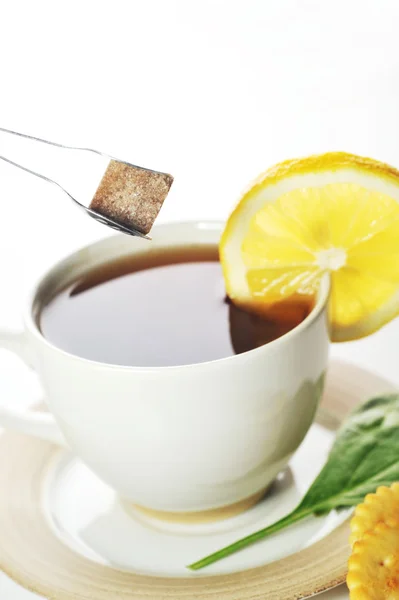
(35, 553)
(207, 516)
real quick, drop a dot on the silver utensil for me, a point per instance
(94, 169)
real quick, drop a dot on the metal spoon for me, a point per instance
(102, 218)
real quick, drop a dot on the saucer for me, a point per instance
(64, 534)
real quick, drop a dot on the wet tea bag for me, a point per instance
(130, 195)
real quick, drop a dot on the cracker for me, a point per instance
(373, 568)
(381, 507)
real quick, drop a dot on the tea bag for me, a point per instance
(130, 195)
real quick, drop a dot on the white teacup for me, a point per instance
(187, 439)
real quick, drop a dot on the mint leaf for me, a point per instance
(364, 456)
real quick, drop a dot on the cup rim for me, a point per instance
(33, 328)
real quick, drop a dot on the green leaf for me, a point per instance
(364, 456)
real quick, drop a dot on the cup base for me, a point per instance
(192, 519)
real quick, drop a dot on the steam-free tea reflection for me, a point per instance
(163, 308)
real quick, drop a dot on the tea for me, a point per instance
(162, 308)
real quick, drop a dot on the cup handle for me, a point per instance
(39, 424)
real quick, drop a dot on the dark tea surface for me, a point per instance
(163, 308)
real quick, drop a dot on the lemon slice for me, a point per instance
(373, 567)
(334, 213)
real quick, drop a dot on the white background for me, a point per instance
(211, 91)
